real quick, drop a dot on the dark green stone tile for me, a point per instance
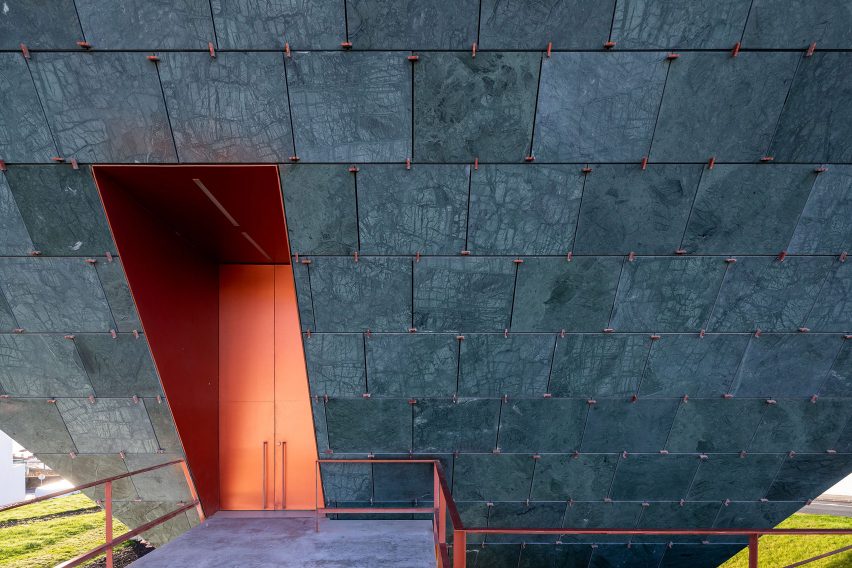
(121, 304)
(163, 484)
(692, 555)
(763, 293)
(523, 515)
(41, 365)
(350, 106)
(498, 555)
(598, 106)
(36, 425)
(696, 119)
(692, 365)
(747, 208)
(24, 133)
(164, 424)
(794, 24)
(678, 24)
(373, 293)
(320, 204)
(620, 556)
(758, 515)
(304, 24)
(786, 365)
(620, 425)
(61, 209)
(832, 310)
(408, 24)
(555, 556)
(423, 209)
(118, 367)
(598, 365)
(807, 136)
(667, 294)
(147, 24)
(54, 294)
(653, 208)
(85, 468)
(229, 109)
(336, 364)
(469, 425)
(412, 365)
(586, 477)
(553, 294)
(806, 477)
(542, 425)
(40, 24)
(493, 365)
(492, 477)
(368, 425)
(470, 107)
(677, 516)
(403, 482)
(654, 477)
(463, 294)
(104, 106)
(730, 476)
(320, 426)
(568, 24)
(839, 379)
(523, 209)
(14, 238)
(600, 515)
(473, 514)
(7, 319)
(715, 425)
(110, 425)
(302, 278)
(825, 226)
(347, 481)
(801, 426)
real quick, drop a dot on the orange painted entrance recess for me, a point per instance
(267, 448)
(205, 251)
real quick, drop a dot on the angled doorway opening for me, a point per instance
(206, 256)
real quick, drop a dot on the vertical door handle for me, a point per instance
(263, 487)
(283, 475)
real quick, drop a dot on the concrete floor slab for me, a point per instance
(261, 540)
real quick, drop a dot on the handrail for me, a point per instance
(443, 502)
(84, 486)
(111, 542)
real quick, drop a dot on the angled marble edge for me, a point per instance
(24, 132)
(231, 108)
(104, 106)
(598, 106)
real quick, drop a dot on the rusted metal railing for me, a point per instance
(443, 505)
(112, 542)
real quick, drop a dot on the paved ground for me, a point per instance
(836, 508)
(258, 540)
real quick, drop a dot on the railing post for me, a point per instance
(108, 521)
(192, 492)
(752, 550)
(459, 549)
(316, 494)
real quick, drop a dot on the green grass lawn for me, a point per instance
(783, 550)
(43, 543)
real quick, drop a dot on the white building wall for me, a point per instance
(12, 477)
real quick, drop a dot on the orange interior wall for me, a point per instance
(263, 393)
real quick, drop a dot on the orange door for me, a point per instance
(246, 386)
(267, 447)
